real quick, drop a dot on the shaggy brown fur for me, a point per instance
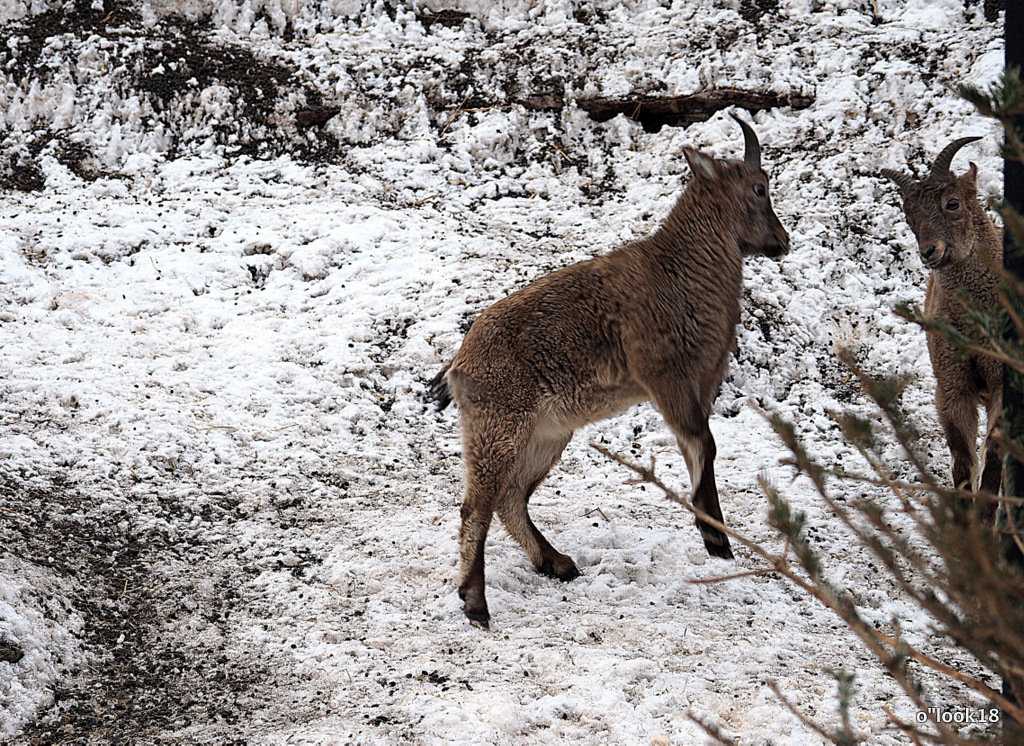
(960, 245)
(652, 320)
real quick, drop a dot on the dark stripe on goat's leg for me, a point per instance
(689, 421)
(992, 472)
(991, 482)
(700, 459)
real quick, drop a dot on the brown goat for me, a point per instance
(654, 320)
(960, 245)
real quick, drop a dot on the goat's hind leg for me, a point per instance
(540, 455)
(492, 445)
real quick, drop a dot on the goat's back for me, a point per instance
(578, 343)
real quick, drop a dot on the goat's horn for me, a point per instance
(752, 148)
(903, 181)
(940, 169)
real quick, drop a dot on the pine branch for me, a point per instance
(791, 526)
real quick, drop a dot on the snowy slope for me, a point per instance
(227, 511)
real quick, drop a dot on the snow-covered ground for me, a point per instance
(228, 512)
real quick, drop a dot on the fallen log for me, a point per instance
(654, 112)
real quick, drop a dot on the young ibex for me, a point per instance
(652, 320)
(960, 245)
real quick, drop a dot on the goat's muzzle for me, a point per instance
(933, 253)
(781, 242)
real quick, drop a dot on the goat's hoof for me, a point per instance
(719, 548)
(715, 541)
(560, 567)
(478, 618)
(474, 605)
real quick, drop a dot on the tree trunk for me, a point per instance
(1013, 261)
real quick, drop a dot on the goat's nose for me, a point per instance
(928, 251)
(780, 234)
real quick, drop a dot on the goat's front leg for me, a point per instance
(682, 411)
(699, 451)
(992, 469)
(958, 415)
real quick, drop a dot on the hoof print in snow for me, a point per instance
(654, 112)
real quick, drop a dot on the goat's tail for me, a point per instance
(439, 391)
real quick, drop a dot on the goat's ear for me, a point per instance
(703, 166)
(970, 179)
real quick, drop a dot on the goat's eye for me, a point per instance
(953, 204)
(759, 190)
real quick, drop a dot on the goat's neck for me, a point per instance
(977, 271)
(988, 237)
(974, 275)
(698, 221)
